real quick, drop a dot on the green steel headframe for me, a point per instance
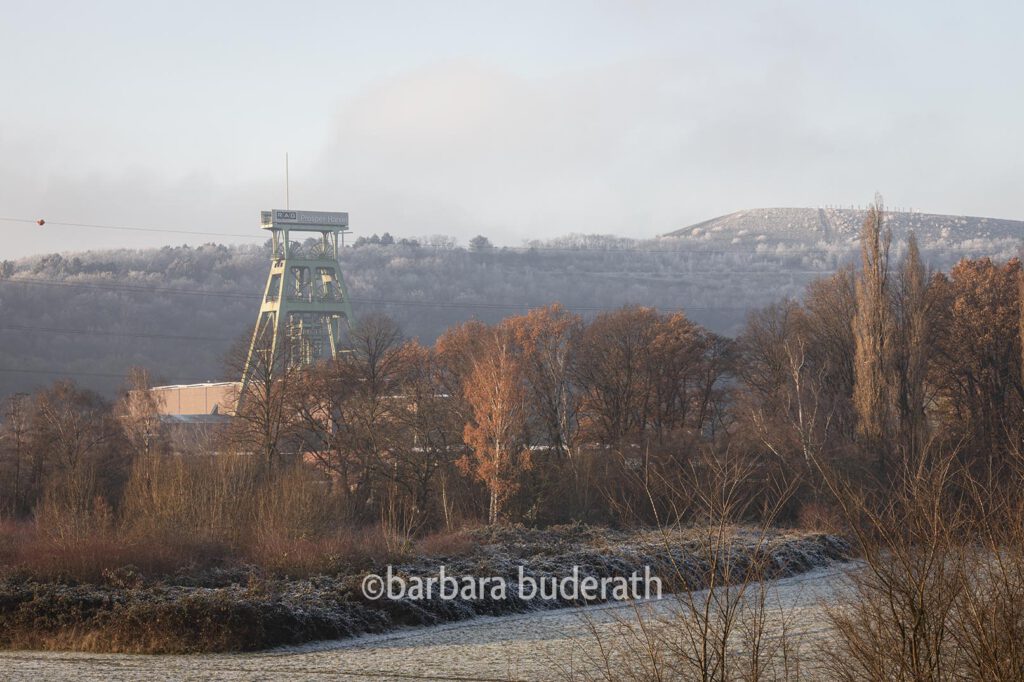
(305, 302)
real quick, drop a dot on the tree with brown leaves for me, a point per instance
(496, 394)
(976, 369)
(547, 341)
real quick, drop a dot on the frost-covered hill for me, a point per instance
(176, 310)
(830, 230)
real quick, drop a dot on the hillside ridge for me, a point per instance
(833, 225)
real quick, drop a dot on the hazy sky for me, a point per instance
(517, 120)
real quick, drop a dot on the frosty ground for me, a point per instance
(230, 612)
(541, 645)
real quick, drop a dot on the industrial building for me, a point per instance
(207, 399)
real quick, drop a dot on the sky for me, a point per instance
(515, 120)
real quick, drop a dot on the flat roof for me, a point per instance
(206, 384)
(194, 418)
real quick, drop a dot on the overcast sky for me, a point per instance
(516, 120)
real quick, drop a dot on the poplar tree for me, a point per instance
(1020, 333)
(914, 346)
(873, 333)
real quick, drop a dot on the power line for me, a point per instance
(104, 375)
(132, 288)
(496, 249)
(839, 250)
(126, 228)
(97, 332)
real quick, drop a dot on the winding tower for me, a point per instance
(305, 308)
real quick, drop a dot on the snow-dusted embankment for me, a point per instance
(540, 646)
(190, 615)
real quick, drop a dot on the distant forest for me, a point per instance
(177, 311)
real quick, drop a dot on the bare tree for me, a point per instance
(264, 420)
(429, 436)
(14, 442)
(139, 410)
(348, 409)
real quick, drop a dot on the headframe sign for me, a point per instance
(311, 219)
